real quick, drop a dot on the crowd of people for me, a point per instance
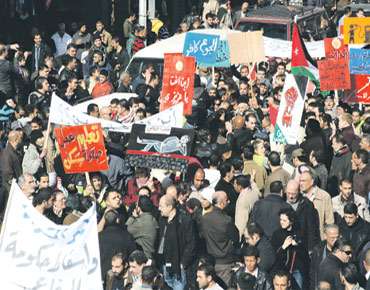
(250, 213)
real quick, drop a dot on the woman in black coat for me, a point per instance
(291, 255)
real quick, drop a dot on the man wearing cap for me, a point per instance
(206, 199)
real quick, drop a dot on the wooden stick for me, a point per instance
(87, 176)
(46, 141)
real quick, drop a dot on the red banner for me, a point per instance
(335, 48)
(334, 74)
(82, 148)
(178, 81)
(360, 90)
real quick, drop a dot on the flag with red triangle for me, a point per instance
(302, 63)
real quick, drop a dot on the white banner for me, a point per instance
(35, 253)
(64, 114)
(290, 112)
(103, 101)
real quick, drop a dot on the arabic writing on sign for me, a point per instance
(202, 46)
(359, 61)
(181, 81)
(82, 148)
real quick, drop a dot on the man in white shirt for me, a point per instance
(61, 40)
(205, 278)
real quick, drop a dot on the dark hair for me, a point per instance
(290, 213)
(248, 152)
(350, 208)
(42, 195)
(91, 108)
(319, 155)
(246, 281)
(207, 259)
(238, 163)
(118, 40)
(208, 270)
(85, 203)
(363, 155)
(71, 45)
(114, 101)
(339, 244)
(274, 158)
(281, 273)
(244, 181)
(138, 257)
(142, 172)
(224, 169)
(255, 228)
(39, 82)
(93, 69)
(149, 274)
(111, 218)
(350, 273)
(276, 187)
(339, 138)
(250, 251)
(345, 180)
(193, 203)
(145, 204)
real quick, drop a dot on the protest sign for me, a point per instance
(35, 253)
(223, 54)
(82, 148)
(360, 90)
(103, 101)
(178, 82)
(290, 109)
(64, 114)
(334, 74)
(335, 48)
(72, 115)
(202, 46)
(356, 30)
(359, 61)
(163, 151)
(246, 47)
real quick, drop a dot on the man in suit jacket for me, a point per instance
(39, 51)
(241, 13)
(366, 263)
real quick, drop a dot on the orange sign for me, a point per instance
(334, 74)
(356, 30)
(335, 48)
(178, 81)
(82, 148)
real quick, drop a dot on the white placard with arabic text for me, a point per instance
(37, 254)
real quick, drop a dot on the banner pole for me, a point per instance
(213, 75)
(87, 176)
(46, 141)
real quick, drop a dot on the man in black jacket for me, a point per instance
(176, 243)
(225, 184)
(354, 229)
(256, 237)
(307, 216)
(39, 51)
(265, 212)
(113, 239)
(221, 236)
(321, 251)
(251, 265)
(330, 267)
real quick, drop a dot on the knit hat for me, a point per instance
(207, 193)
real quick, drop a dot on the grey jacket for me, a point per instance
(144, 230)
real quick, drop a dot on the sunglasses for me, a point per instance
(348, 252)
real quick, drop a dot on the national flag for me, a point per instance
(302, 63)
(252, 76)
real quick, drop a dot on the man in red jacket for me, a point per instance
(103, 87)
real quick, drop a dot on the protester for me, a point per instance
(238, 188)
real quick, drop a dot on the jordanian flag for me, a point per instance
(302, 63)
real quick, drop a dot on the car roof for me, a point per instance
(287, 12)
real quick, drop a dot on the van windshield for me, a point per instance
(136, 66)
(272, 30)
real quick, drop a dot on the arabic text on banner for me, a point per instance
(35, 253)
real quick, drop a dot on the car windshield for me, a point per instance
(272, 30)
(137, 64)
